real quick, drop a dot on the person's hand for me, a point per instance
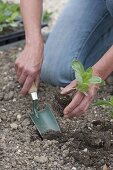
(80, 101)
(28, 65)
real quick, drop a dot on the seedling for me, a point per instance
(84, 78)
(46, 18)
(106, 103)
(9, 15)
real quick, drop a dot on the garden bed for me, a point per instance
(11, 24)
(13, 36)
(86, 142)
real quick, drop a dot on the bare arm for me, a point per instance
(31, 12)
(28, 64)
(104, 66)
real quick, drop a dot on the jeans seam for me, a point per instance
(84, 43)
(95, 27)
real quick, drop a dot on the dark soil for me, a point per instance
(51, 134)
(61, 101)
(9, 30)
(85, 143)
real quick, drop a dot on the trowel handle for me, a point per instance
(33, 88)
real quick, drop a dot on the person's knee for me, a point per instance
(49, 75)
(56, 72)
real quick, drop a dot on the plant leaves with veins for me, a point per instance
(84, 78)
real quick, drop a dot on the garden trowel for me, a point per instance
(44, 120)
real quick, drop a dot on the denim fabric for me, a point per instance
(84, 31)
(109, 4)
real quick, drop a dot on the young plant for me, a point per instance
(9, 15)
(106, 103)
(84, 78)
(46, 18)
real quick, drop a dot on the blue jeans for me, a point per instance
(84, 31)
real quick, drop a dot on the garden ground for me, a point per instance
(86, 143)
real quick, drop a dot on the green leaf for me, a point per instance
(112, 114)
(8, 14)
(87, 75)
(79, 70)
(2, 18)
(78, 67)
(1, 28)
(84, 78)
(46, 16)
(95, 80)
(82, 88)
(13, 24)
(78, 78)
(103, 103)
(89, 71)
(111, 100)
(15, 15)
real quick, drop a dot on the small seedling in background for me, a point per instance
(9, 15)
(46, 18)
(84, 78)
(106, 103)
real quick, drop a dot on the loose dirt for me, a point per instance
(86, 143)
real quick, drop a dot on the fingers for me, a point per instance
(27, 85)
(16, 67)
(74, 103)
(82, 107)
(22, 77)
(16, 64)
(26, 78)
(21, 74)
(28, 65)
(37, 81)
(80, 103)
(28, 81)
(93, 89)
(19, 70)
(69, 87)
